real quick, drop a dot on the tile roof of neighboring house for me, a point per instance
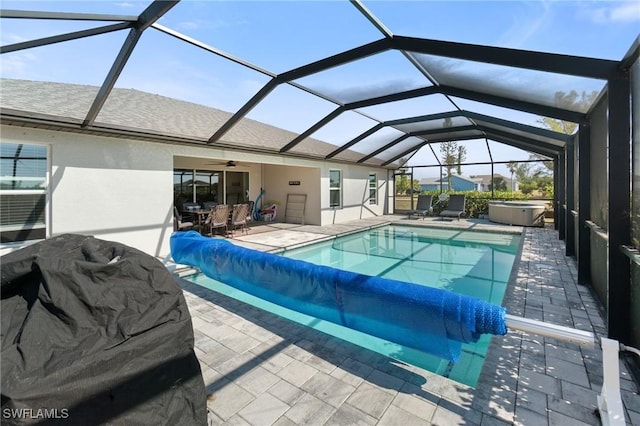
(429, 181)
(444, 179)
(137, 111)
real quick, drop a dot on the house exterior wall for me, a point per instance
(434, 186)
(114, 189)
(121, 190)
(314, 181)
(355, 193)
(459, 184)
(277, 179)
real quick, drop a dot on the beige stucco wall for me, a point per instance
(314, 181)
(114, 189)
(355, 193)
(276, 181)
(122, 190)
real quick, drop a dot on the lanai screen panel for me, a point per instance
(376, 75)
(275, 35)
(541, 87)
(635, 117)
(599, 192)
(288, 108)
(635, 210)
(500, 112)
(399, 148)
(522, 133)
(454, 134)
(182, 72)
(426, 156)
(432, 125)
(501, 152)
(86, 62)
(373, 142)
(599, 167)
(87, 6)
(423, 105)
(337, 132)
(21, 30)
(475, 152)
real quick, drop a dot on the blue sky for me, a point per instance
(278, 36)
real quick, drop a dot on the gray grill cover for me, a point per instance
(95, 332)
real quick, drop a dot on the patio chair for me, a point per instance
(239, 217)
(218, 219)
(455, 207)
(250, 213)
(423, 207)
(209, 205)
(178, 224)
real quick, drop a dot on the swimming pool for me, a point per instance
(473, 263)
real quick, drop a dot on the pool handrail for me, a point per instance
(609, 400)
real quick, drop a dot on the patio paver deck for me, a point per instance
(263, 370)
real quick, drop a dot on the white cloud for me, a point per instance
(11, 38)
(626, 12)
(213, 24)
(533, 20)
(18, 65)
(615, 12)
(189, 25)
(124, 5)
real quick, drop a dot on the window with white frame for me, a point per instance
(373, 188)
(23, 191)
(335, 188)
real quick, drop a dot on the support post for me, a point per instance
(562, 197)
(570, 233)
(619, 215)
(584, 204)
(556, 188)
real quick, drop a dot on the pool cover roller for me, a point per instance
(432, 320)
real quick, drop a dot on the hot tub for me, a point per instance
(521, 213)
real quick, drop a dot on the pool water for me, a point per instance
(474, 263)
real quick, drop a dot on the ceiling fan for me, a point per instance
(230, 164)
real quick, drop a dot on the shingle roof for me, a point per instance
(146, 112)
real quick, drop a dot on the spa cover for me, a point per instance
(432, 320)
(95, 332)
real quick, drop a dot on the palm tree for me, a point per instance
(513, 166)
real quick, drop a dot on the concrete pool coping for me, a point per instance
(261, 369)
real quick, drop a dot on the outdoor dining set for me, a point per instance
(218, 219)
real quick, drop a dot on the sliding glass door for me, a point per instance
(197, 186)
(207, 186)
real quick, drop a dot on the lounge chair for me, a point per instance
(423, 207)
(455, 207)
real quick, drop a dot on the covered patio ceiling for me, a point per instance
(425, 92)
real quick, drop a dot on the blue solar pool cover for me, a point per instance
(429, 319)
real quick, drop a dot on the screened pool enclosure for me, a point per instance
(411, 94)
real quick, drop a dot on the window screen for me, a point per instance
(23, 191)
